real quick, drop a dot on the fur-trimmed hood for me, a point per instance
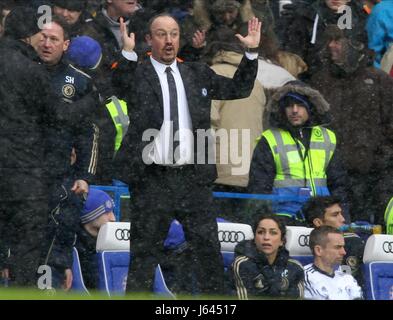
(275, 116)
(202, 17)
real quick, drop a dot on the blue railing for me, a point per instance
(120, 190)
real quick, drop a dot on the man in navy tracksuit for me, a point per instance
(71, 154)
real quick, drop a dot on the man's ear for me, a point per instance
(317, 222)
(148, 39)
(66, 45)
(317, 250)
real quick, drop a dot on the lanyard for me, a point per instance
(303, 158)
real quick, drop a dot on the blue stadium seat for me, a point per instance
(378, 267)
(160, 286)
(229, 235)
(112, 271)
(77, 277)
(113, 256)
(297, 240)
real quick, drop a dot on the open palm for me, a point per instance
(254, 34)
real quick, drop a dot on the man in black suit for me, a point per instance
(171, 178)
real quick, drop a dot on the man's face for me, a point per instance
(333, 253)
(228, 17)
(336, 4)
(333, 217)
(70, 16)
(164, 39)
(53, 45)
(336, 49)
(122, 8)
(297, 114)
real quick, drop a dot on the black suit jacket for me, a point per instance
(140, 87)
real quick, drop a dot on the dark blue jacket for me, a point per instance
(253, 276)
(71, 85)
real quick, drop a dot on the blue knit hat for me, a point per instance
(84, 52)
(98, 202)
(293, 97)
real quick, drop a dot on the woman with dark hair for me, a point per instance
(262, 266)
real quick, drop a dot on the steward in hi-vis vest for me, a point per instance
(297, 156)
(118, 110)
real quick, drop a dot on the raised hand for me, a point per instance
(199, 39)
(128, 40)
(254, 34)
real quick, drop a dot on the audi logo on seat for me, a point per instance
(303, 240)
(122, 234)
(231, 236)
(387, 247)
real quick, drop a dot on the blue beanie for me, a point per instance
(292, 97)
(98, 202)
(84, 52)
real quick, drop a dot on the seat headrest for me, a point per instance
(230, 234)
(379, 247)
(298, 239)
(114, 236)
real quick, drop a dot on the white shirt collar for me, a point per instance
(161, 67)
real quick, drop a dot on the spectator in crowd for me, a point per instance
(107, 26)
(165, 187)
(97, 211)
(322, 279)
(237, 123)
(262, 266)
(75, 14)
(297, 156)
(305, 35)
(380, 29)
(68, 183)
(361, 119)
(5, 8)
(326, 211)
(199, 28)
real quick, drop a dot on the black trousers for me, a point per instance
(167, 193)
(23, 218)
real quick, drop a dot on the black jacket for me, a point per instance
(25, 105)
(141, 89)
(253, 276)
(300, 30)
(28, 108)
(71, 85)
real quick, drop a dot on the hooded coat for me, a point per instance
(362, 121)
(253, 276)
(263, 166)
(301, 30)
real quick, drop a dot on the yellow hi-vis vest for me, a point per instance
(119, 113)
(295, 169)
(388, 217)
